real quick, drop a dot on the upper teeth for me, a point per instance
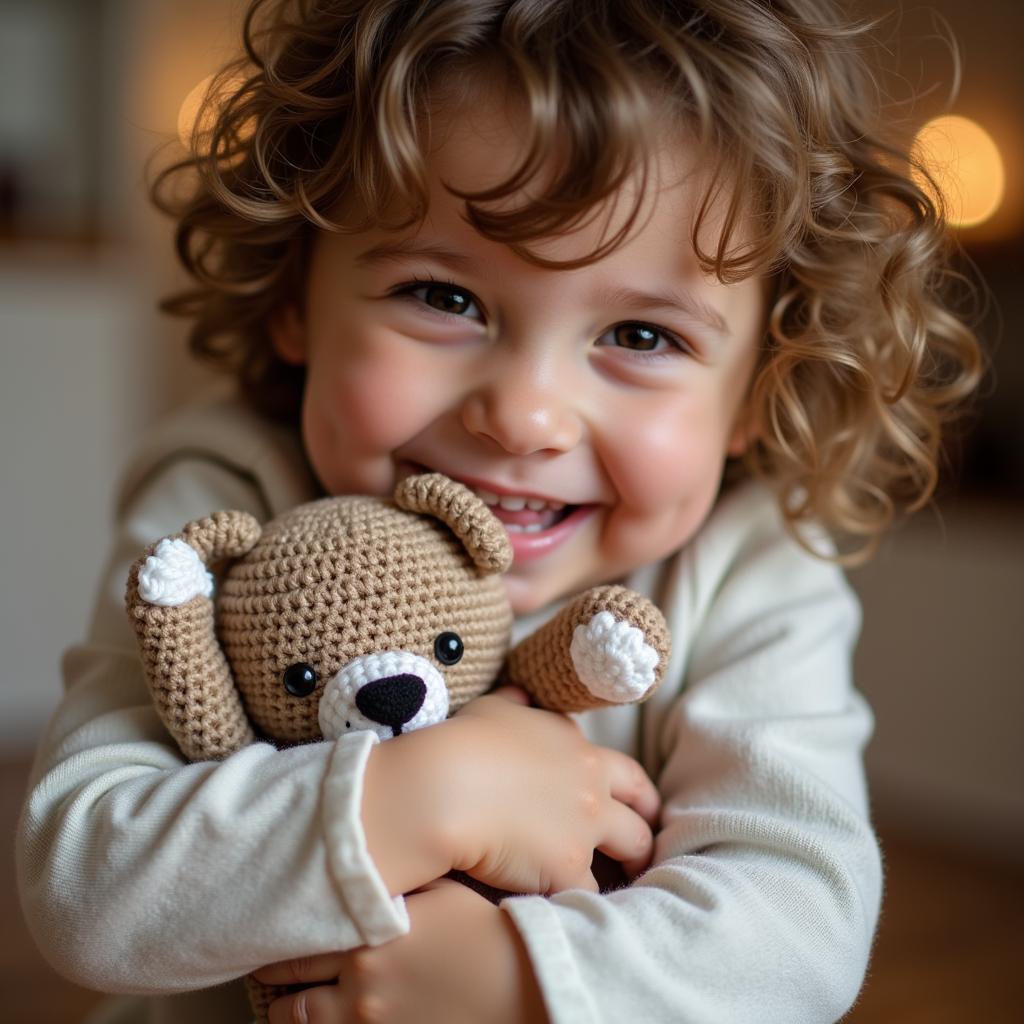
(517, 502)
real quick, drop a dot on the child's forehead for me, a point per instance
(492, 124)
(489, 134)
(476, 141)
(483, 158)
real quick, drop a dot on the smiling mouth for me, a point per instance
(522, 514)
(518, 513)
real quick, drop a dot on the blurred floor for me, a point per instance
(950, 948)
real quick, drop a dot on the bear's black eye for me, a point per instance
(448, 648)
(300, 679)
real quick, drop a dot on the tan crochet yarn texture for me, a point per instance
(544, 659)
(321, 585)
(184, 664)
(346, 576)
(339, 579)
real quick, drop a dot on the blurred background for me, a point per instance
(91, 87)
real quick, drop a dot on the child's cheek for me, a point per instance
(673, 457)
(355, 418)
(666, 478)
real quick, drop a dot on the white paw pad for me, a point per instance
(612, 658)
(173, 575)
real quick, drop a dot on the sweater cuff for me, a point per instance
(566, 998)
(376, 914)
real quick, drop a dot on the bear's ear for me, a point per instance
(170, 605)
(464, 513)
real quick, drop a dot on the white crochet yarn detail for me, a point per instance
(339, 713)
(174, 574)
(612, 658)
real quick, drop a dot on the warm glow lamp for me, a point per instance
(189, 110)
(191, 106)
(965, 163)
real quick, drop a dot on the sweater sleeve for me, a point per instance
(764, 893)
(141, 873)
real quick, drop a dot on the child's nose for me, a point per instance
(523, 413)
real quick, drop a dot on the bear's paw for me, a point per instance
(173, 575)
(613, 659)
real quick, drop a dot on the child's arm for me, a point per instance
(141, 873)
(194, 874)
(763, 898)
(764, 894)
(462, 961)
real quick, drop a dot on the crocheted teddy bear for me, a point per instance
(353, 613)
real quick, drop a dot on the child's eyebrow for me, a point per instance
(409, 248)
(669, 301)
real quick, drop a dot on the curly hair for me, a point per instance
(863, 363)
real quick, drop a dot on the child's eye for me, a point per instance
(445, 297)
(643, 338)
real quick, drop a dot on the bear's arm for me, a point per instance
(609, 645)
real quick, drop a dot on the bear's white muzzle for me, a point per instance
(387, 692)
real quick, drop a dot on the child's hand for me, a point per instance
(514, 796)
(430, 975)
(545, 798)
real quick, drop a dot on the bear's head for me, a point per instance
(343, 614)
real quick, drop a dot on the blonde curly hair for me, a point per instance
(864, 363)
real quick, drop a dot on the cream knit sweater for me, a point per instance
(142, 874)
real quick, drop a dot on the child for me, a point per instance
(585, 257)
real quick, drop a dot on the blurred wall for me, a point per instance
(942, 653)
(85, 360)
(941, 660)
(85, 363)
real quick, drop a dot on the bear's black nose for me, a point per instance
(392, 700)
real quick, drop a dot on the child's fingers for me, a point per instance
(312, 1004)
(323, 967)
(562, 883)
(629, 840)
(631, 786)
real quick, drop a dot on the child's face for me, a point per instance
(600, 395)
